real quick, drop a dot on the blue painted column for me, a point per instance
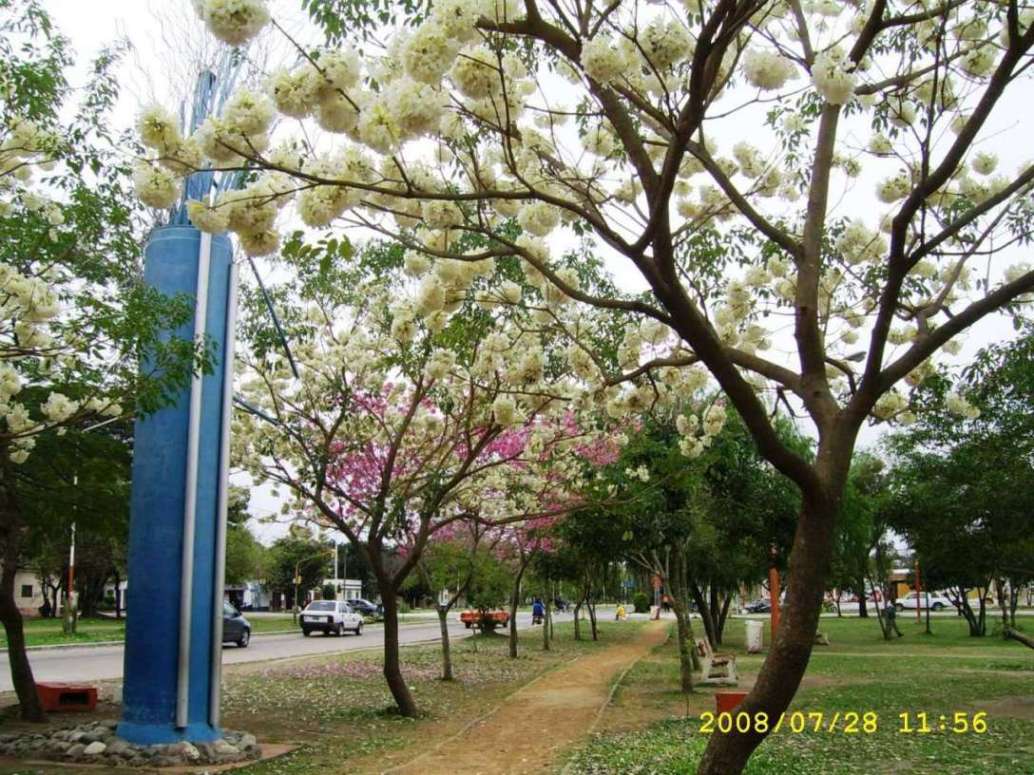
(174, 604)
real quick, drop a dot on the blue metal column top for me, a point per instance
(157, 510)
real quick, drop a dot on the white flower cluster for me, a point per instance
(960, 406)
(698, 433)
(767, 70)
(832, 78)
(859, 244)
(233, 21)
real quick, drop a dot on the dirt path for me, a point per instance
(554, 711)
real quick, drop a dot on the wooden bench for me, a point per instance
(716, 669)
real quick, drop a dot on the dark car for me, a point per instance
(364, 607)
(758, 607)
(236, 628)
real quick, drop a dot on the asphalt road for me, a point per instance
(105, 662)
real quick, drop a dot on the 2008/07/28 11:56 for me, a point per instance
(845, 722)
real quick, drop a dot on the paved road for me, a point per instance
(104, 662)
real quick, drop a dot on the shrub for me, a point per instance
(641, 601)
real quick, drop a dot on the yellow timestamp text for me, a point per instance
(841, 722)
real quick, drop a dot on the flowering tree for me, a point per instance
(600, 123)
(73, 317)
(391, 431)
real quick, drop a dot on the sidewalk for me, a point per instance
(556, 710)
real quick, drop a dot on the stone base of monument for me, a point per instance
(95, 744)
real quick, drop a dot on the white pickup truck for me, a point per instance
(330, 616)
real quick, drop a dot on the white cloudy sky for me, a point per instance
(166, 39)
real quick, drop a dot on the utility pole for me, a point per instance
(69, 622)
(297, 582)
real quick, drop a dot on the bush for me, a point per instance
(641, 601)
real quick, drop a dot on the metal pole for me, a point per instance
(70, 598)
(190, 506)
(215, 687)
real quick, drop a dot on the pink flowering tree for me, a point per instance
(381, 428)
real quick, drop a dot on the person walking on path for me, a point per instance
(538, 611)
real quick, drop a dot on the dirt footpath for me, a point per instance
(525, 732)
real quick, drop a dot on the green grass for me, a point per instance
(48, 632)
(943, 673)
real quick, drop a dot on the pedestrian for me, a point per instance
(538, 611)
(620, 615)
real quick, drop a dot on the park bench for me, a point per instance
(716, 669)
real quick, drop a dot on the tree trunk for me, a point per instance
(392, 669)
(1019, 637)
(1003, 605)
(723, 617)
(118, 596)
(514, 600)
(10, 616)
(863, 612)
(547, 622)
(1014, 601)
(577, 622)
(704, 609)
(443, 623)
(781, 673)
(687, 648)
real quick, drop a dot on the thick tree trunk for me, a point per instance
(592, 620)
(392, 669)
(443, 623)
(781, 673)
(10, 616)
(21, 670)
(863, 612)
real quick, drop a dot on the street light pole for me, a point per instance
(69, 623)
(70, 619)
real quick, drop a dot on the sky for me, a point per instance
(166, 38)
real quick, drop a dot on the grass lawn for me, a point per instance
(47, 632)
(650, 728)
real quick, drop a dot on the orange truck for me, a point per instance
(494, 619)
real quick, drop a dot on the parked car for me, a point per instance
(330, 616)
(935, 601)
(758, 607)
(493, 619)
(364, 607)
(236, 629)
